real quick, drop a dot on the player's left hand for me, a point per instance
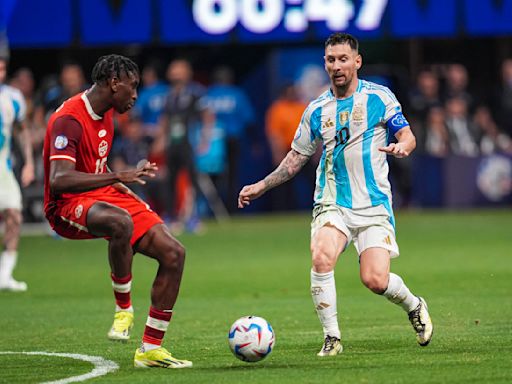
(27, 174)
(144, 169)
(395, 149)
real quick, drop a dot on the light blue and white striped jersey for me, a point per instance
(12, 109)
(351, 173)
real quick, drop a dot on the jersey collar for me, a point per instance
(91, 112)
(358, 89)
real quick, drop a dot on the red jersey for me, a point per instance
(75, 133)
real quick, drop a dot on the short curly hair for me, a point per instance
(110, 66)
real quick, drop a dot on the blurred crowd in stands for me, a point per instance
(448, 118)
(193, 131)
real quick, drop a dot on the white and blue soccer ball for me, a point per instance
(251, 338)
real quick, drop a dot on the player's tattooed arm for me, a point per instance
(289, 167)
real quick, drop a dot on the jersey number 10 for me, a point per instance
(342, 136)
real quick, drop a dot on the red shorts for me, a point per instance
(68, 217)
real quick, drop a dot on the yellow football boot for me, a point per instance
(123, 324)
(158, 358)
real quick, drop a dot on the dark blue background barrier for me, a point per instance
(458, 182)
(53, 23)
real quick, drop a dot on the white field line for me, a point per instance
(101, 365)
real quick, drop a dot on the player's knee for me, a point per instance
(173, 256)
(376, 282)
(322, 261)
(13, 217)
(121, 225)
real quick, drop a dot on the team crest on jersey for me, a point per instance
(102, 133)
(357, 113)
(61, 142)
(78, 210)
(103, 148)
(343, 117)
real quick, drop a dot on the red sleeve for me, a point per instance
(65, 135)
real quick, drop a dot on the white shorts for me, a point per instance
(10, 194)
(367, 228)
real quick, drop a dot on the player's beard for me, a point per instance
(344, 86)
(348, 79)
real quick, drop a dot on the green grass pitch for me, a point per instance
(461, 262)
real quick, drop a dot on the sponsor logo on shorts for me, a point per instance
(103, 148)
(387, 240)
(79, 210)
(61, 142)
(102, 133)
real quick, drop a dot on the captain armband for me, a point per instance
(397, 122)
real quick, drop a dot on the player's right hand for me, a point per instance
(27, 174)
(144, 169)
(250, 192)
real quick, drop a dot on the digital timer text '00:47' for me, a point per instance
(262, 16)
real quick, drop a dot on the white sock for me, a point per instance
(149, 347)
(129, 309)
(323, 292)
(398, 293)
(7, 263)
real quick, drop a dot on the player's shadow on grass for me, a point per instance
(274, 365)
(246, 367)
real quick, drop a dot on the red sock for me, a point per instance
(122, 288)
(156, 325)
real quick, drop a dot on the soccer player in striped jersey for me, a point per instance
(12, 115)
(352, 200)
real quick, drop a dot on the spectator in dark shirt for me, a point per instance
(504, 98)
(492, 139)
(424, 97)
(463, 133)
(181, 112)
(151, 100)
(457, 83)
(235, 114)
(437, 140)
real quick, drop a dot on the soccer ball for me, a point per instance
(251, 338)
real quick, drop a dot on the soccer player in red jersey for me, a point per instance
(83, 200)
